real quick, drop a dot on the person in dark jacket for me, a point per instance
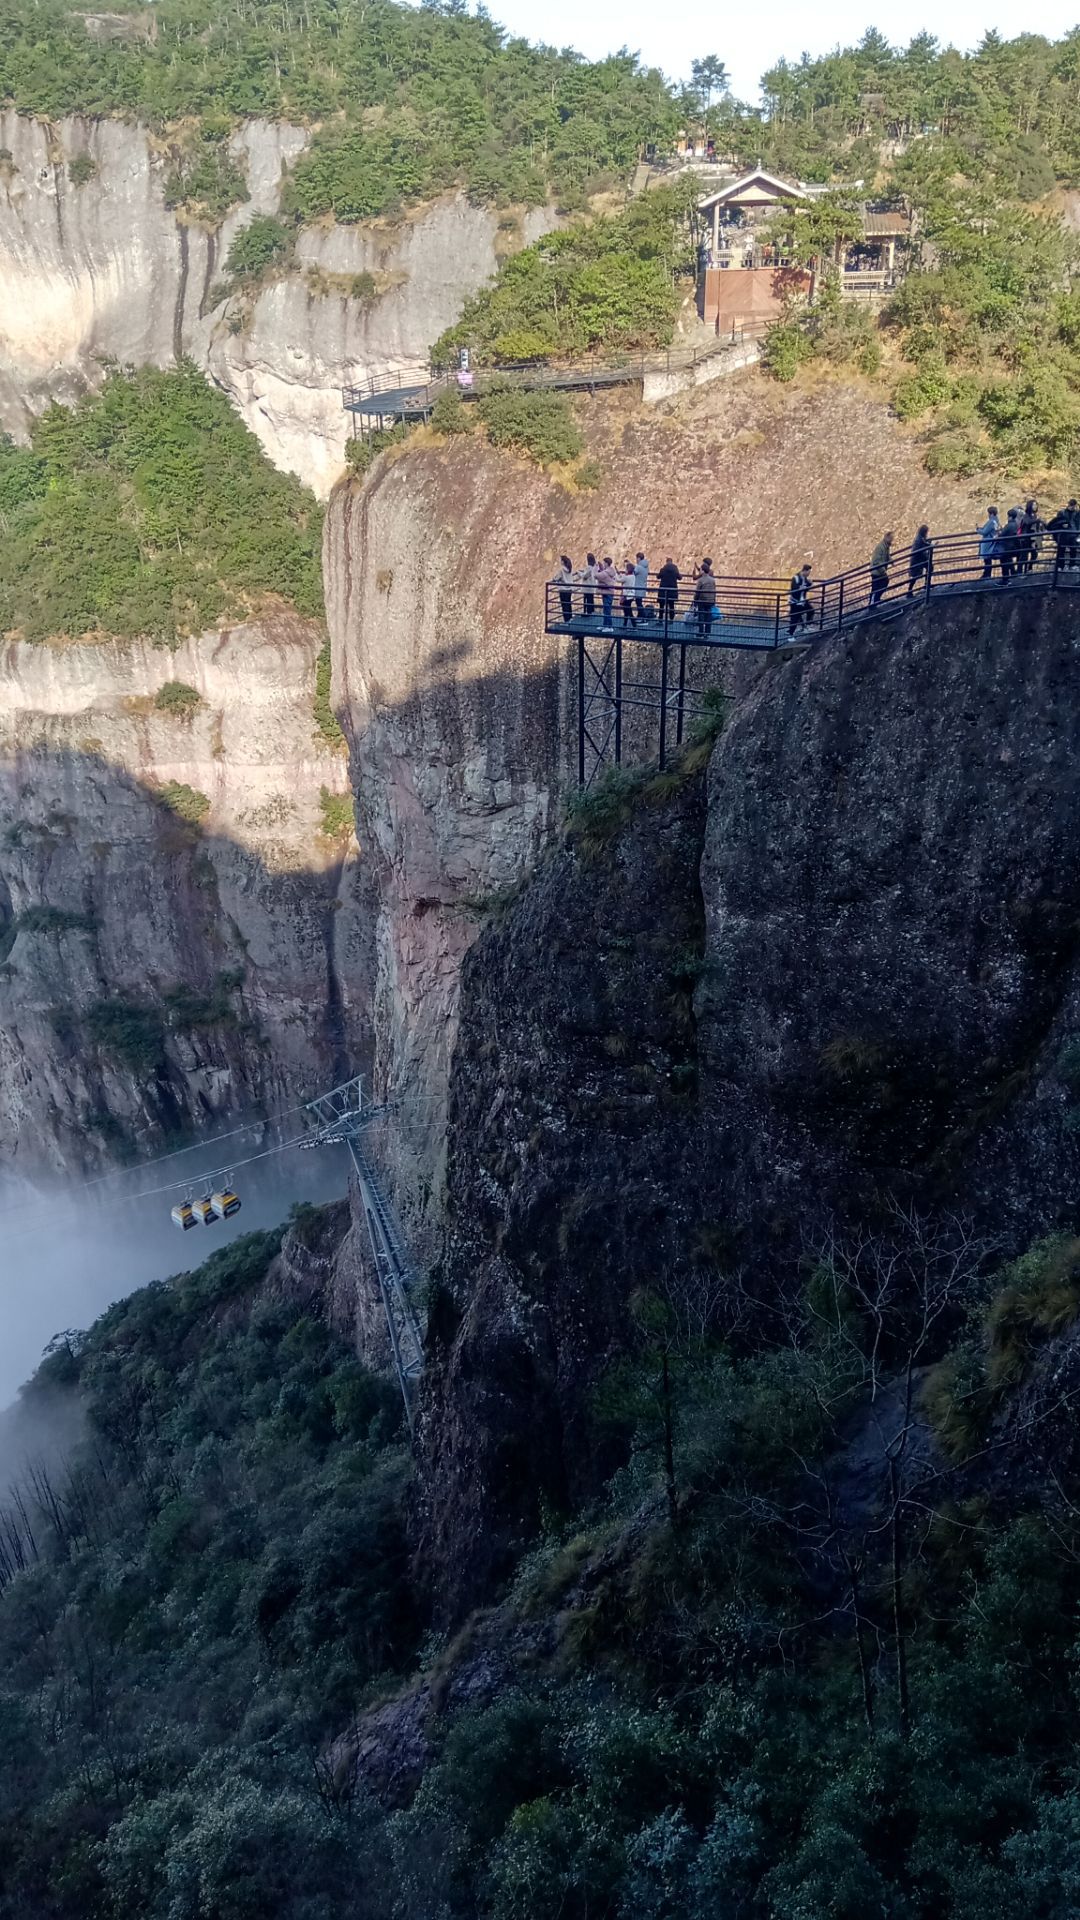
(1031, 527)
(705, 598)
(920, 560)
(799, 614)
(668, 582)
(1007, 544)
(879, 569)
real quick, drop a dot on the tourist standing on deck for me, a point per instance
(641, 584)
(704, 597)
(629, 581)
(920, 560)
(588, 581)
(1031, 530)
(668, 582)
(879, 569)
(607, 580)
(1007, 544)
(988, 539)
(564, 580)
(799, 614)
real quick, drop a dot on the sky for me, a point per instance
(751, 39)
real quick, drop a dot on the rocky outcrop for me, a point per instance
(453, 701)
(848, 975)
(174, 866)
(105, 271)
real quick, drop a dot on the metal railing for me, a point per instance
(415, 391)
(682, 624)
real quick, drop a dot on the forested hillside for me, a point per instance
(193, 1604)
(149, 509)
(414, 100)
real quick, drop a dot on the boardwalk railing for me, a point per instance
(411, 392)
(679, 626)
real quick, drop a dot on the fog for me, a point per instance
(72, 1250)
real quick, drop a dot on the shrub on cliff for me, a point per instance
(177, 698)
(539, 424)
(149, 509)
(264, 243)
(601, 285)
(450, 415)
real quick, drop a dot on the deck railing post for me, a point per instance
(581, 711)
(821, 622)
(618, 701)
(776, 624)
(663, 704)
(840, 605)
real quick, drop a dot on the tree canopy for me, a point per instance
(412, 99)
(149, 509)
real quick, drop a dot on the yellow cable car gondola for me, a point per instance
(204, 1210)
(225, 1202)
(185, 1216)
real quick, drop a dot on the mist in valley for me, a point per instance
(71, 1250)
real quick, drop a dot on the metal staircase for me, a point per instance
(342, 1116)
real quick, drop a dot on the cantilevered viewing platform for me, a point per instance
(642, 657)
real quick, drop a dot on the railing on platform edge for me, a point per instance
(763, 616)
(588, 370)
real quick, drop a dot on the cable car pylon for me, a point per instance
(343, 1116)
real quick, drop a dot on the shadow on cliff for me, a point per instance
(830, 982)
(156, 977)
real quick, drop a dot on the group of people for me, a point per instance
(1013, 545)
(603, 580)
(1016, 544)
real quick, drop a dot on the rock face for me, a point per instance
(461, 713)
(879, 900)
(105, 271)
(453, 701)
(240, 937)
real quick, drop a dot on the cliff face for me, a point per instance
(452, 699)
(105, 271)
(459, 710)
(237, 941)
(878, 900)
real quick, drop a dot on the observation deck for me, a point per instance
(642, 670)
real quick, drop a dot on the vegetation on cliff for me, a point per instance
(149, 509)
(601, 284)
(413, 100)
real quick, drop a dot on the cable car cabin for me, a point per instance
(225, 1203)
(204, 1211)
(185, 1216)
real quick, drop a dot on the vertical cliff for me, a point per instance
(843, 977)
(103, 270)
(453, 700)
(183, 921)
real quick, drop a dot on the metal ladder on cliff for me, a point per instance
(342, 1116)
